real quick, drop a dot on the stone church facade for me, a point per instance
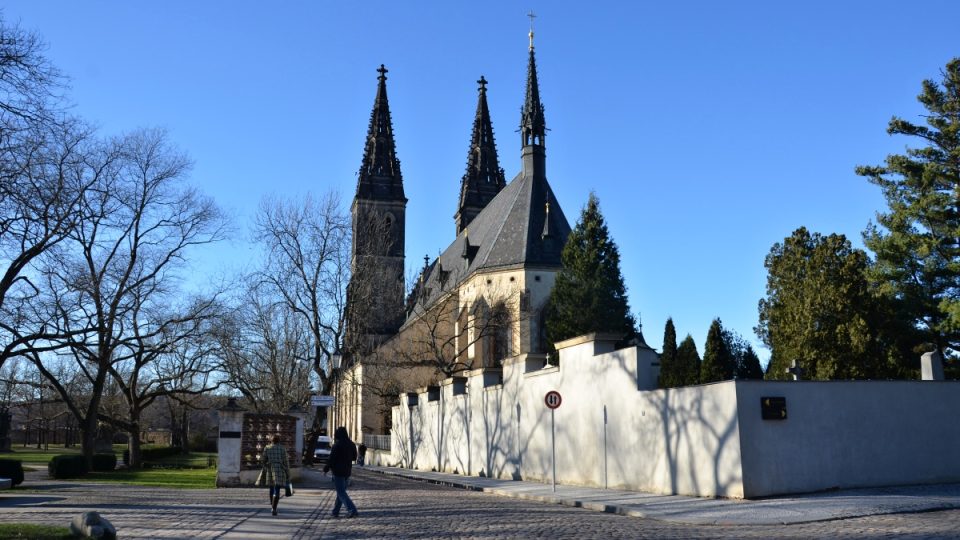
(480, 302)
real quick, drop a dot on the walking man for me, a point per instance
(342, 455)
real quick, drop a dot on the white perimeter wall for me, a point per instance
(667, 441)
(706, 440)
(844, 434)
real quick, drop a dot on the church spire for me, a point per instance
(533, 126)
(484, 177)
(379, 176)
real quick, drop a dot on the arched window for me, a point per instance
(499, 336)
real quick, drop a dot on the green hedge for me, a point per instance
(12, 469)
(67, 466)
(104, 462)
(153, 454)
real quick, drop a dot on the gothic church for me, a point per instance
(475, 307)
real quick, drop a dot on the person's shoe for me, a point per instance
(335, 516)
(353, 514)
(274, 511)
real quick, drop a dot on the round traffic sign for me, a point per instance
(553, 399)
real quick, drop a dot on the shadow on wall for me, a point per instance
(608, 433)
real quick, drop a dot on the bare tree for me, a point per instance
(168, 354)
(125, 254)
(307, 266)
(47, 163)
(29, 85)
(264, 352)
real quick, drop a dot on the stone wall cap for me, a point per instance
(586, 338)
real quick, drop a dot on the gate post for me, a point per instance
(228, 444)
(301, 415)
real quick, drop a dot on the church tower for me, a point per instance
(378, 214)
(484, 177)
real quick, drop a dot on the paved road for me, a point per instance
(395, 508)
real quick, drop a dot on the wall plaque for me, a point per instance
(773, 408)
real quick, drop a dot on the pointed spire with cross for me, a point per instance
(484, 177)
(533, 125)
(379, 175)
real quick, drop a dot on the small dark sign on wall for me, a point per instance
(773, 408)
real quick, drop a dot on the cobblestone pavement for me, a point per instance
(397, 508)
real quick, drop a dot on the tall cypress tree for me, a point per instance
(718, 362)
(588, 294)
(688, 362)
(669, 372)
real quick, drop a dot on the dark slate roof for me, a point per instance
(507, 233)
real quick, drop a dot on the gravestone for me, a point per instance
(931, 366)
(795, 370)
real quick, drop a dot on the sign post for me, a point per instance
(553, 400)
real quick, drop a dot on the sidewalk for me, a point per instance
(702, 511)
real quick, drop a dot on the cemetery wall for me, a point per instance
(613, 429)
(848, 434)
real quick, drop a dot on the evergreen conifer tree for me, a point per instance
(669, 372)
(718, 362)
(748, 365)
(688, 362)
(588, 294)
(916, 245)
(821, 311)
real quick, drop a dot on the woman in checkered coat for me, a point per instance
(276, 470)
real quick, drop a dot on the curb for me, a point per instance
(574, 503)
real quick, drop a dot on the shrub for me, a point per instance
(153, 454)
(199, 442)
(67, 466)
(104, 462)
(12, 469)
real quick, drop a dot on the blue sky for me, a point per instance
(708, 130)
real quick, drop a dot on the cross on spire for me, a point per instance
(532, 17)
(383, 72)
(483, 84)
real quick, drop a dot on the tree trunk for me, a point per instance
(133, 445)
(315, 431)
(88, 438)
(185, 429)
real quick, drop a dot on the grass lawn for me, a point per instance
(39, 532)
(33, 455)
(194, 460)
(196, 470)
(173, 478)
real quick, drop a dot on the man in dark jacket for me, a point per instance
(342, 455)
